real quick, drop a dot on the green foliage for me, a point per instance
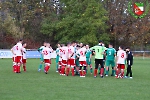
(83, 21)
(9, 26)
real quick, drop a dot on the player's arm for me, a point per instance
(12, 50)
(117, 57)
(39, 49)
(51, 49)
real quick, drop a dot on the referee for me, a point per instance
(98, 51)
(129, 63)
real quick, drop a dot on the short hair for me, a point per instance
(24, 43)
(100, 41)
(77, 46)
(21, 40)
(121, 47)
(127, 47)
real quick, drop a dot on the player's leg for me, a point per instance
(130, 71)
(84, 68)
(68, 67)
(47, 65)
(19, 58)
(96, 67)
(24, 65)
(87, 61)
(84, 71)
(107, 67)
(14, 65)
(118, 70)
(80, 69)
(127, 72)
(57, 63)
(72, 66)
(122, 70)
(102, 68)
(77, 66)
(113, 68)
(63, 67)
(41, 63)
(59, 66)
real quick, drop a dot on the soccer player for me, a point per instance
(64, 56)
(58, 59)
(13, 59)
(129, 62)
(47, 57)
(99, 51)
(88, 59)
(41, 58)
(71, 59)
(110, 59)
(77, 60)
(17, 51)
(120, 60)
(82, 61)
(24, 56)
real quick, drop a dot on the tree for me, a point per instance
(124, 28)
(81, 20)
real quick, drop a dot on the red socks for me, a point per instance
(122, 74)
(18, 69)
(95, 72)
(47, 68)
(62, 70)
(80, 71)
(84, 72)
(72, 71)
(102, 71)
(24, 68)
(59, 70)
(15, 68)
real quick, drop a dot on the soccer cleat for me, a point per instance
(39, 70)
(117, 77)
(102, 76)
(83, 76)
(57, 71)
(95, 76)
(45, 72)
(125, 77)
(130, 77)
(60, 74)
(106, 75)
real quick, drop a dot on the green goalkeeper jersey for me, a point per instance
(110, 54)
(99, 51)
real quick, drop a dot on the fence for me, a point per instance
(6, 53)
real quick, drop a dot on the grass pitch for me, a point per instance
(34, 85)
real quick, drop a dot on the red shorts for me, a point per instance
(60, 63)
(47, 61)
(121, 66)
(82, 63)
(24, 61)
(64, 62)
(18, 59)
(71, 62)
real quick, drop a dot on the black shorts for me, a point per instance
(99, 61)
